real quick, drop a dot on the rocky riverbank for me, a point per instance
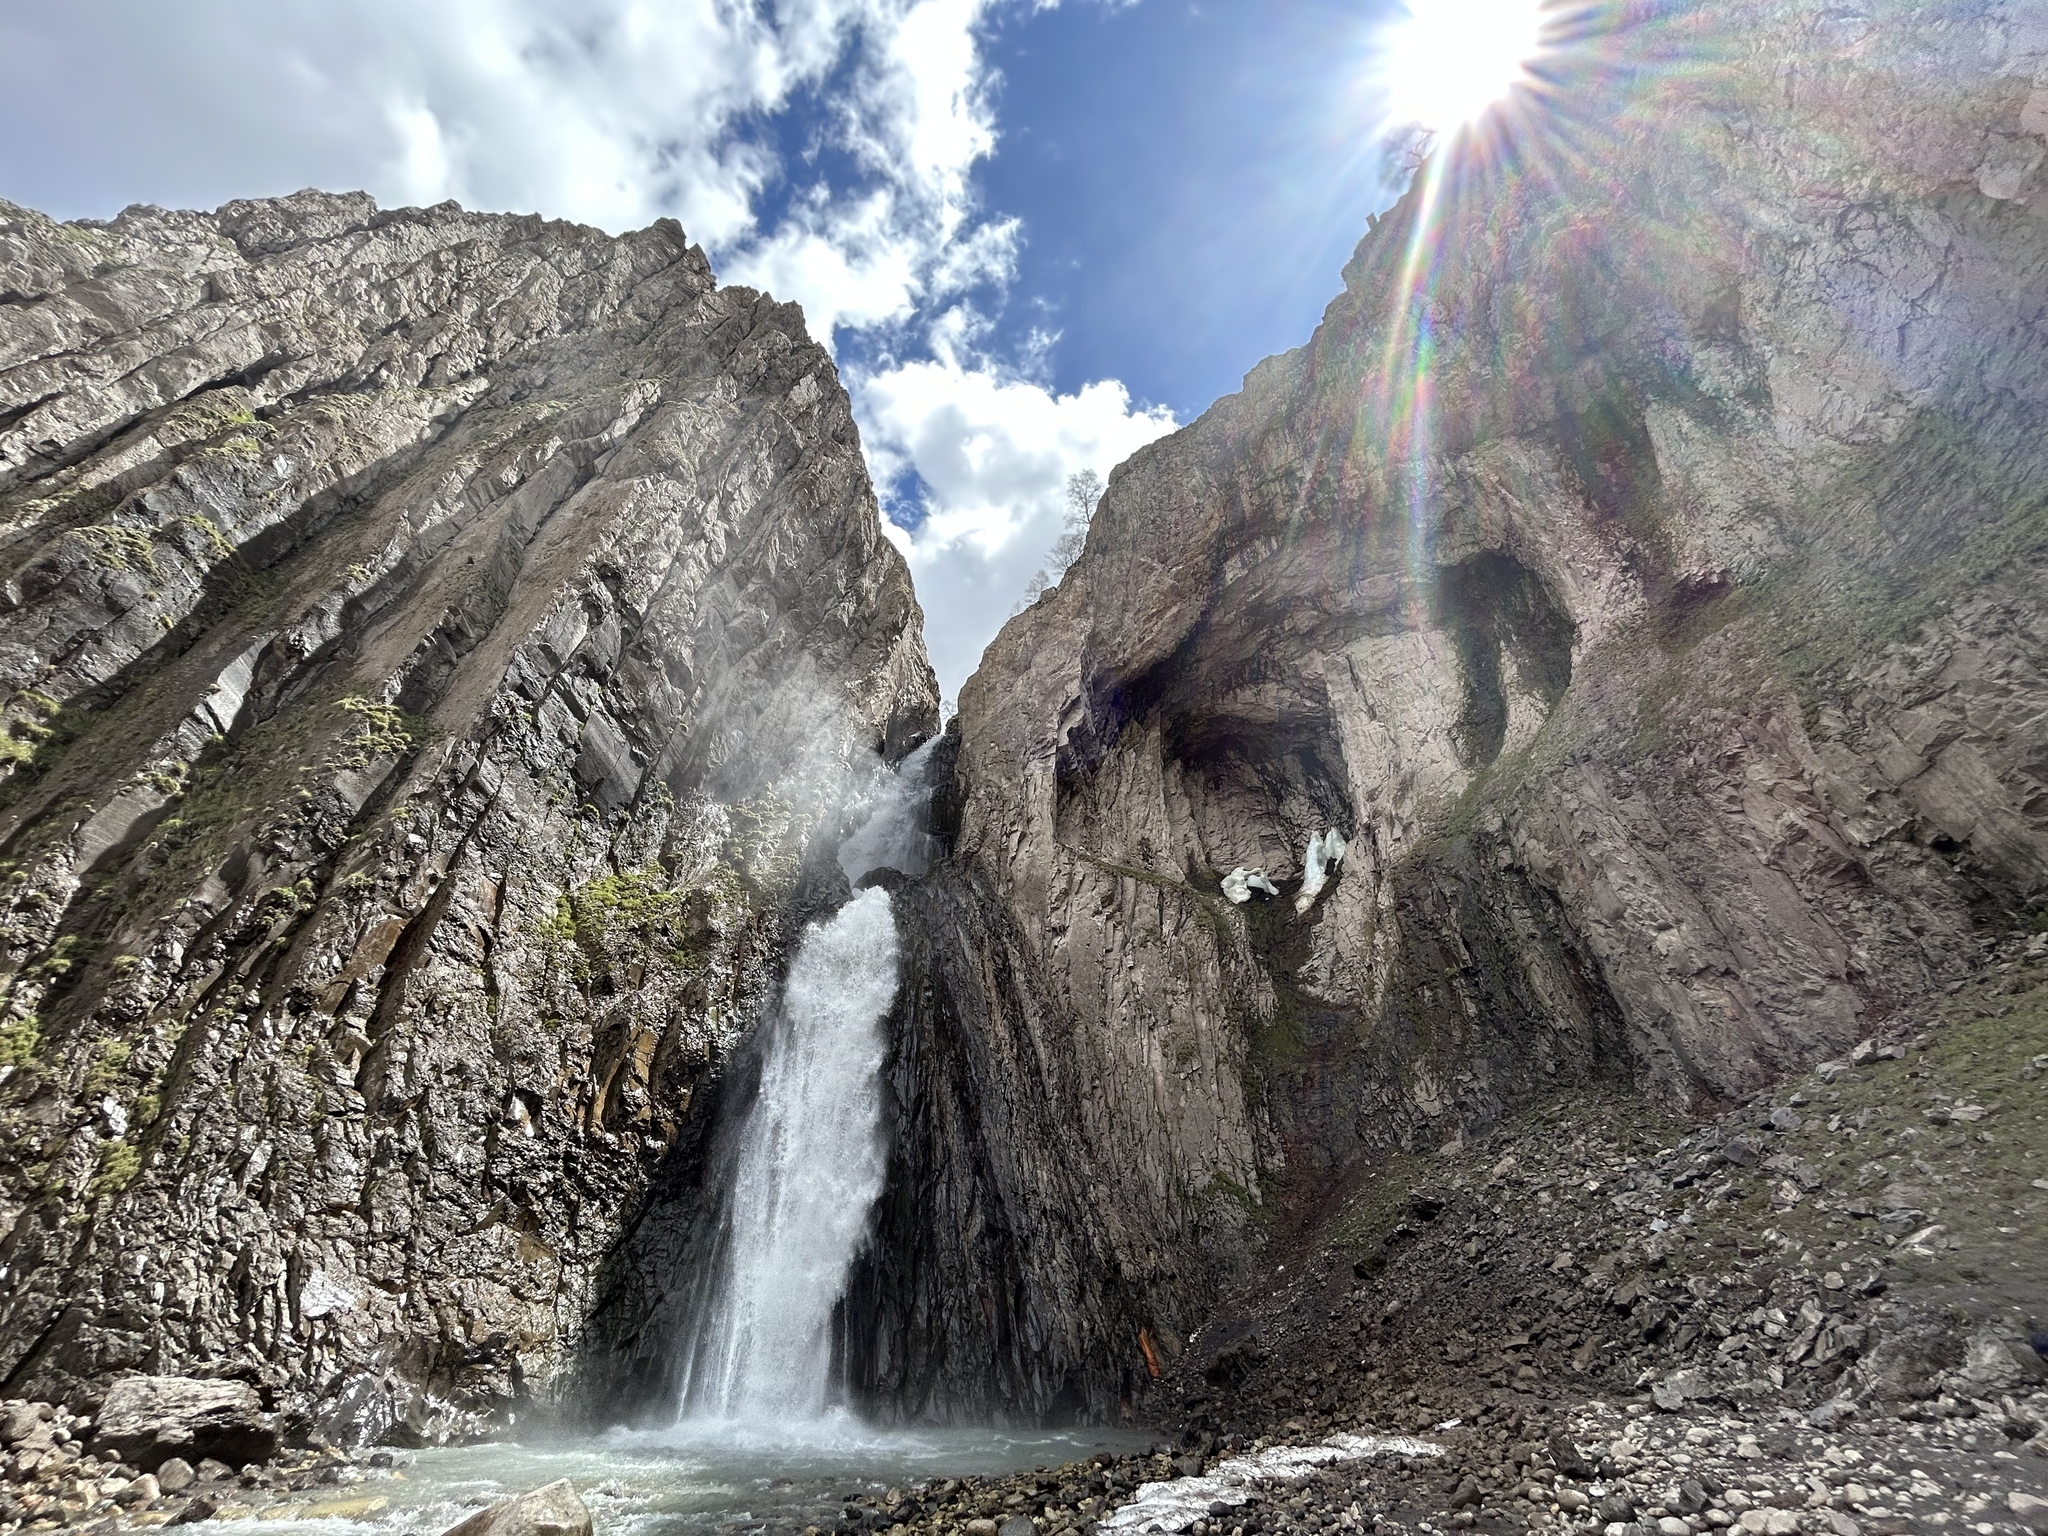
(54, 1475)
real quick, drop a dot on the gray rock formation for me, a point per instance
(149, 1420)
(1643, 568)
(554, 1509)
(428, 644)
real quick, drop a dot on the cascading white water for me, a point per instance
(811, 1159)
(893, 835)
(809, 1170)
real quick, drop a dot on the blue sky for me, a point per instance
(1035, 235)
(1192, 177)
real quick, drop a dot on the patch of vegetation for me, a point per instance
(560, 927)
(1376, 1209)
(1278, 1045)
(108, 1065)
(386, 730)
(66, 954)
(32, 729)
(168, 780)
(115, 548)
(1223, 1190)
(224, 797)
(635, 910)
(616, 926)
(1971, 1109)
(19, 1040)
(240, 446)
(207, 415)
(119, 1164)
(281, 902)
(216, 543)
(767, 840)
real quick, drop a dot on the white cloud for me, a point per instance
(616, 112)
(421, 165)
(994, 451)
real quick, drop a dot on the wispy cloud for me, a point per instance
(983, 453)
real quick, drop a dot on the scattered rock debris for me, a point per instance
(1809, 1316)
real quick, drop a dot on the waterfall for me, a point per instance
(810, 1158)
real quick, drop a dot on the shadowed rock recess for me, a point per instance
(424, 636)
(1643, 567)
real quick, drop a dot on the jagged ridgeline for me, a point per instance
(423, 639)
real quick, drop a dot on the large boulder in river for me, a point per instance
(550, 1510)
(149, 1419)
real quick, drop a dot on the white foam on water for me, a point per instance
(893, 835)
(1175, 1505)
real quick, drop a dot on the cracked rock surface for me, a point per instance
(428, 643)
(1641, 568)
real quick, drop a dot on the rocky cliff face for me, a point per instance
(429, 642)
(1642, 567)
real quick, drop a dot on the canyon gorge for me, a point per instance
(454, 666)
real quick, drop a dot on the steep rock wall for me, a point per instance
(429, 644)
(1643, 566)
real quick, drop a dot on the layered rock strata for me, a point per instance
(1642, 568)
(429, 643)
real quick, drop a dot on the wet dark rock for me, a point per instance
(1566, 1456)
(175, 1475)
(1615, 1507)
(203, 1506)
(1741, 1152)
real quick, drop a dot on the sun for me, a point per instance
(1443, 63)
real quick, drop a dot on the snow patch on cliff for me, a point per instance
(1325, 853)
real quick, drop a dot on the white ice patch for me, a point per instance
(1239, 884)
(1175, 1505)
(1325, 853)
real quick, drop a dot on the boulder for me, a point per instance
(147, 1420)
(175, 1475)
(550, 1510)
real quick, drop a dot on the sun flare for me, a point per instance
(1443, 63)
